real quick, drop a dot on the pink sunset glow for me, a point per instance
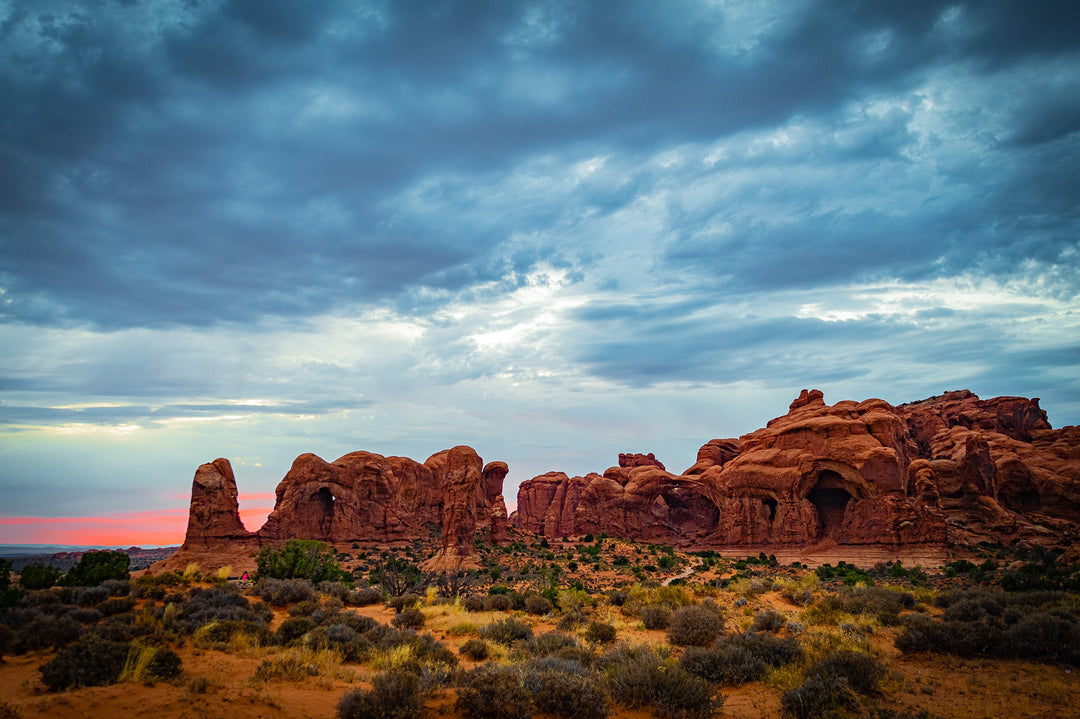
(150, 528)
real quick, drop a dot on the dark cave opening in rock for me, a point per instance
(324, 500)
(771, 504)
(689, 510)
(830, 503)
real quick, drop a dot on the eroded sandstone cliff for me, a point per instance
(953, 467)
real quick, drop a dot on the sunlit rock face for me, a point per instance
(854, 473)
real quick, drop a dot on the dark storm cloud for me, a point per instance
(174, 163)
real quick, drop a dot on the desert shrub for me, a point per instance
(117, 587)
(494, 692)
(563, 689)
(570, 621)
(394, 694)
(768, 621)
(600, 632)
(293, 628)
(96, 567)
(7, 636)
(475, 649)
(39, 576)
(816, 697)
(884, 603)
(536, 604)
(88, 663)
(116, 605)
(356, 622)
(617, 597)
(1043, 636)
(474, 603)
(861, 671)
(554, 644)
(498, 603)
(147, 663)
(656, 617)
(90, 596)
(695, 625)
(506, 631)
(363, 597)
(46, 632)
(334, 589)
(339, 638)
(403, 601)
(86, 615)
(832, 683)
(282, 592)
(203, 606)
(631, 673)
(303, 609)
(411, 618)
(681, 695)
(300, 559)
(740, 658)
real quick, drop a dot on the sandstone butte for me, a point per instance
(853, 477)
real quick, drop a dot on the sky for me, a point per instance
(553, 231)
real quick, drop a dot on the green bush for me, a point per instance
(301, 559)
(394, 694)
(695, 625)
(768, 621)
(96, 567)
(39, 576)
(91, 662)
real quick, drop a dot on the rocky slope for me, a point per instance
(952, 468)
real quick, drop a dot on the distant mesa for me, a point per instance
(853, 476)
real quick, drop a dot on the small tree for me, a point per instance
(397, 576)
(95, 567)
(39, 576)
(301, 559)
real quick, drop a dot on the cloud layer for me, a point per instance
(555, 231)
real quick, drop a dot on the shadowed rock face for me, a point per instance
(363, 497)
(854, 473)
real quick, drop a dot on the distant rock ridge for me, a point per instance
(952, 468)
(947, 469)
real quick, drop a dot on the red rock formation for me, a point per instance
(360, 497)
(215, 514)
(854, 473)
